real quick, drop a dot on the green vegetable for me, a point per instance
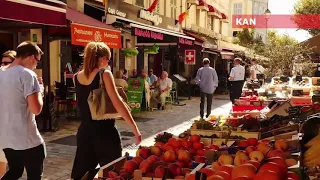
(129, 52)
(153, 50)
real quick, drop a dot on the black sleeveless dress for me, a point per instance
(98, 142)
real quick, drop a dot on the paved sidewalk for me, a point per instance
(59, 161)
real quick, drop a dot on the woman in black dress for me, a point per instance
(98, 142)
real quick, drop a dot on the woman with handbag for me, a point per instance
(98, 140)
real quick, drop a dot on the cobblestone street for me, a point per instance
(175, 120)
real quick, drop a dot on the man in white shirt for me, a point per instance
(237, 75)
(164, 86)
(256, 70)
(21, 99)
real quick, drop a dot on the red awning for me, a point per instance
(203, 5)
(52, 13)
(224, 17)
(214, 12)
(85, 29)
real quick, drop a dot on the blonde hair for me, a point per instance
(92, 52)
(119, 74)
(10, 54)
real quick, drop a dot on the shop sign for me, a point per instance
(116, 12)
(82, 35)
(147, 34)
(190, 57)
(203, 31)
(185, 41)
(149, 16)
(135, 13)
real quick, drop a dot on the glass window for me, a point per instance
(237, 8)
(140, 3)
(173, 5)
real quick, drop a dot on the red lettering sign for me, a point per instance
(147, 34)
(185, 41)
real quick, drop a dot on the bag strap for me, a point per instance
(102, 85)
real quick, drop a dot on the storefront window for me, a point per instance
(140, 3)
(173, 5)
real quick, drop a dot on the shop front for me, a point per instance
(26, 20)
(67, 46)
(156, 37)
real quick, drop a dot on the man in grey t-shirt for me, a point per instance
(20, 101)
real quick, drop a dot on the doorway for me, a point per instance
(155, 62)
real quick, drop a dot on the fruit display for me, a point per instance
(311, 157)
(173, 159)
(305, 82)
(202, 124)
(163, 137)
(259, 161)
(254, 98)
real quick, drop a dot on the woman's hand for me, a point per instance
(138, 137)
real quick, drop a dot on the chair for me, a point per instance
(169, 99)
(64, 100)
(174, 90)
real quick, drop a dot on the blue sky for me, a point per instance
(286, 7)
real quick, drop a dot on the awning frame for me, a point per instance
(71, 13)
(158, 30)
(150, 26)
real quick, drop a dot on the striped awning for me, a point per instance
(224, 18)
(203, 5)
(214, 12)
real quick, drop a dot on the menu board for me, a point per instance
(135, 93)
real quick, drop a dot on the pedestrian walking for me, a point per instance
(98, 141)
(21, 99)
(207, 80)
(237, 74)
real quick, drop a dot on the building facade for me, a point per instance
(248, 7)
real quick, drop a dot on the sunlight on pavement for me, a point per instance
(176, 130)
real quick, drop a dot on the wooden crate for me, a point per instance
(291, 130)
(137, 175)
(202, 132)
(206, 141)
(287, 135)
(115, 165)
(246, 134)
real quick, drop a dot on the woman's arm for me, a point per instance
(119, 104)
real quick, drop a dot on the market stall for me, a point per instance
(271, 133)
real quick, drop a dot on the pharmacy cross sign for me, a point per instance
(190, 57)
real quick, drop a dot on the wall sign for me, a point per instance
(82, 35)
(190, 57)
(185, 41)
(147, 34)
(149, 16)
(116, 12)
